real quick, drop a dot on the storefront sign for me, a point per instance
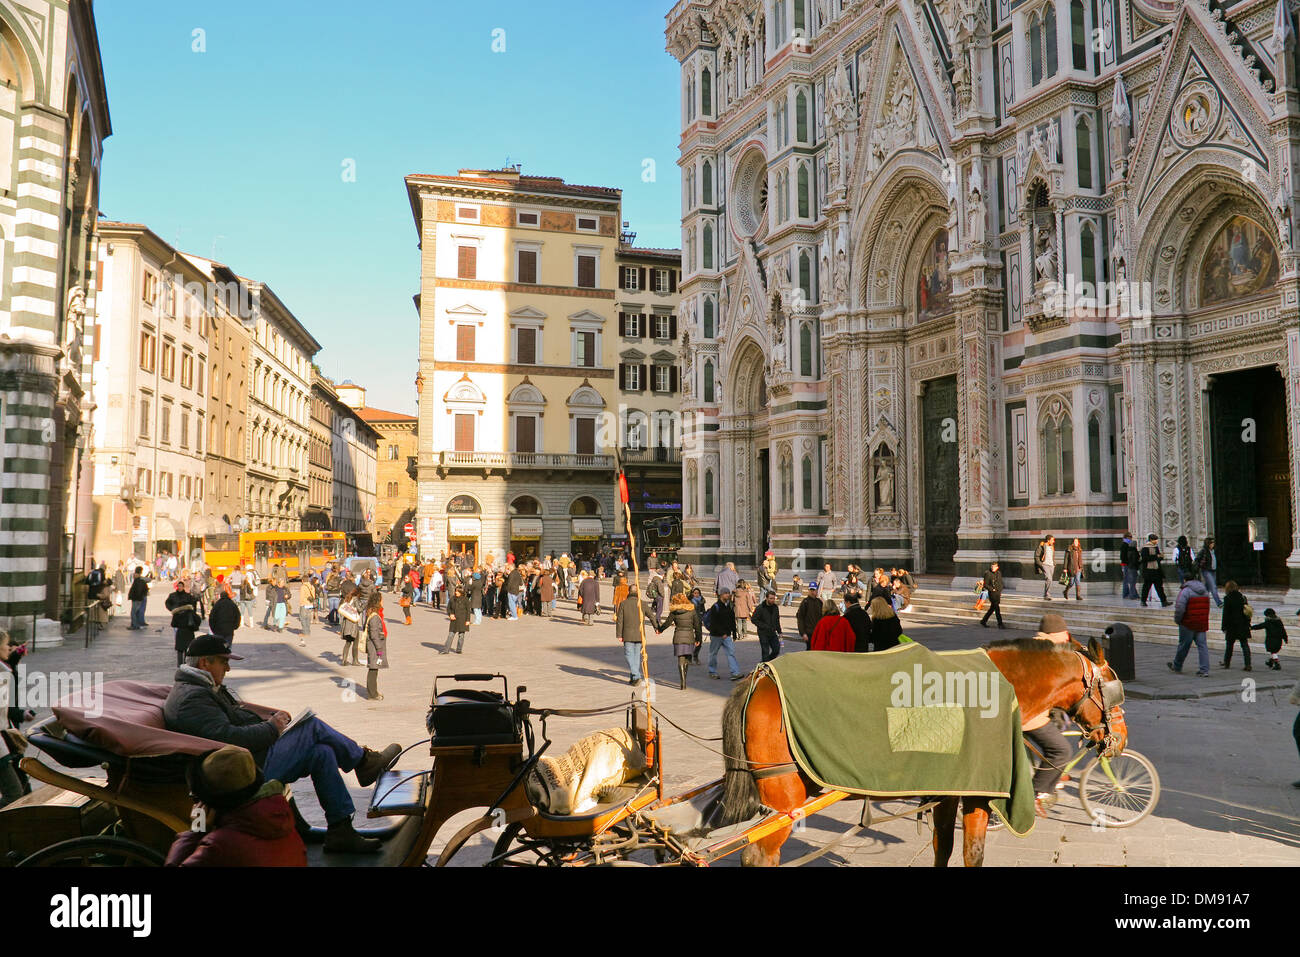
(526, 528)
(586, 529)
(464, 527)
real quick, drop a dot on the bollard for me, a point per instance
(1119, 651)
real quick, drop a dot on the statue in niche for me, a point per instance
(883, 478)
(1045, 258)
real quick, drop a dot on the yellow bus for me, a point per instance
(292, 550)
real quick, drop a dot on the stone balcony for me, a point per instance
(506, 462)
(651, 456)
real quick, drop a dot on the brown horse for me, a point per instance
(1044, 674)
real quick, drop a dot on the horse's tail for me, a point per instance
(739, 789)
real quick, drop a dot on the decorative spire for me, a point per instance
(1119, 104)
(1283, 32)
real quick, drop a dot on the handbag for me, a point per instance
(405, 602)
(1063, 578)
(349, 611)
(1247, 612)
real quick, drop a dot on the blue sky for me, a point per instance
(238, 152)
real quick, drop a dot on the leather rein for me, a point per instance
(1106, 695)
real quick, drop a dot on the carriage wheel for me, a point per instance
(1125, 801)
(514, 848)
(95, 852)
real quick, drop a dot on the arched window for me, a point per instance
(1088, 255)
(805, 349)
(690, 188)
(226, 448)
(1049, 39)
(1035, 50)
(692, 489)
(807, 483)
(708, 381)
(707, 182)
(584, 506)
(1094, 453)
(1078, 36)
(787, 482)
(1057, 440)
(706, 93)
(464, 505)
(805, 275)
(801, 116)
(239, 444)
(1083, 152)
(708, 492)
(525, 505)
(708, 245)
(708, 317)
(800, 18)
(804, 196)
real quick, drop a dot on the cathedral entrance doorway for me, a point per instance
(940, 488)
(1252, 474)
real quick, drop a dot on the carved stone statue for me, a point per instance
(884, 481)
(1045, 258)
(841, 277)
(74, 328)
(841, 125)
(1053, 143)
(976, 208)
(1282, 213)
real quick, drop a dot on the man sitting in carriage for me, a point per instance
(201, 704)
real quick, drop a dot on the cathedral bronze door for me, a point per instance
(1252, 474)
(940, 487)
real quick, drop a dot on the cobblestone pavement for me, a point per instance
(1226, 760)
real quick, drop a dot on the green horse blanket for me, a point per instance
(908, 721)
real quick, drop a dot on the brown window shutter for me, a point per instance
(464, 343)
(464, 432)
(527, 346)
(586, 437)
(622, 323)
(467, 262)
(586, 272)
(642, 382)
(672, 280)
(95, 354)
(672, 327)
(622, 375)
(527, 266)
(525, 434)
(672, 379)
(643, 277)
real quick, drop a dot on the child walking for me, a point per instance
(1274, 637)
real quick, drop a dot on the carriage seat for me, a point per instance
(582, 780)
(69, 750)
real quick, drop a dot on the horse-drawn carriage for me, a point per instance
(485, 753)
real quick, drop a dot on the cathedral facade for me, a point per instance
(961, 272)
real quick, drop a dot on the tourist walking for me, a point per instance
(546, 593)
(1207, 563)
(720, 621)
(1045, 563)
(138, 595)
(280, 598)
(1153, 575)
(119, 586)
(827, 582)
(186, 620)
(376, 632)
(993, 585)
(767, 623)
(306, 608)
(1074, 569)
(743, 601)
(727, 579)
(1129, 558)
(589, 598)
(1274, 637)
(1184, 560)
(350, 612)
(475, 595)
(833, 632)
(224, 619)
(886, 628)
(1235, 624)
(856, 615)
(627, 625)
(809, 613)
(514, 588)
(655, 589)
(408, 599)
(697, 599)
(459, 610)
(1192, 614)
(333, 593)
(683, 618)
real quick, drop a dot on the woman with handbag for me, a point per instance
(1235, 623)
(1072, 573)
(376, 632)
(350, 616)
(408, 597)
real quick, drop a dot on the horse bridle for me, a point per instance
(1106, 695)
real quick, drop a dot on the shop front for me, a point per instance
(585, 538)
(463, 536)
(526, 538)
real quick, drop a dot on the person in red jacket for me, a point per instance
(1192, 615)
(241, 820)
(833, 631)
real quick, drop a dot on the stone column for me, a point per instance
(1292, 377)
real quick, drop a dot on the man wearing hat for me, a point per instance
(200, 704)
(809, 612)
(244, 820)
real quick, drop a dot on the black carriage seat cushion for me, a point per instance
(72, 752)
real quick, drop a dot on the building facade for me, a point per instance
(395, 488)
(959, 274)
(279, 414)
(649, 393)
(356, 466)
(518, 396)
(150, 357)
(320, 456)
(53, 121)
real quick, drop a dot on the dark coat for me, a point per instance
(767, 620)
(225, 618)
(515, 583)
(685, 622)
(376, 642)
(993, 583)
(1234, 622)
(809, 613)
(589, 595)
(546, 588)
(1274, 634)
(476, 592)
(885, 633)
(627, 619)
(259, 834)
(722, 620)
(860, 622)
(139, 590)
(1074, 560)
(185, 617)
(198, 707)
(460, 608)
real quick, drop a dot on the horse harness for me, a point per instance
(1106, 695)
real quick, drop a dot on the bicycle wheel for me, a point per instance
(1124, 796)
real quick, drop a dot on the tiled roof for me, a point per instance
(380, 415)
(547, 184)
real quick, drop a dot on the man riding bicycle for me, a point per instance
(1043, 732)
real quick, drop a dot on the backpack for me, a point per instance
(707, 620)
(1184, 560)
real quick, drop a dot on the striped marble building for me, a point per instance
(53, 121)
